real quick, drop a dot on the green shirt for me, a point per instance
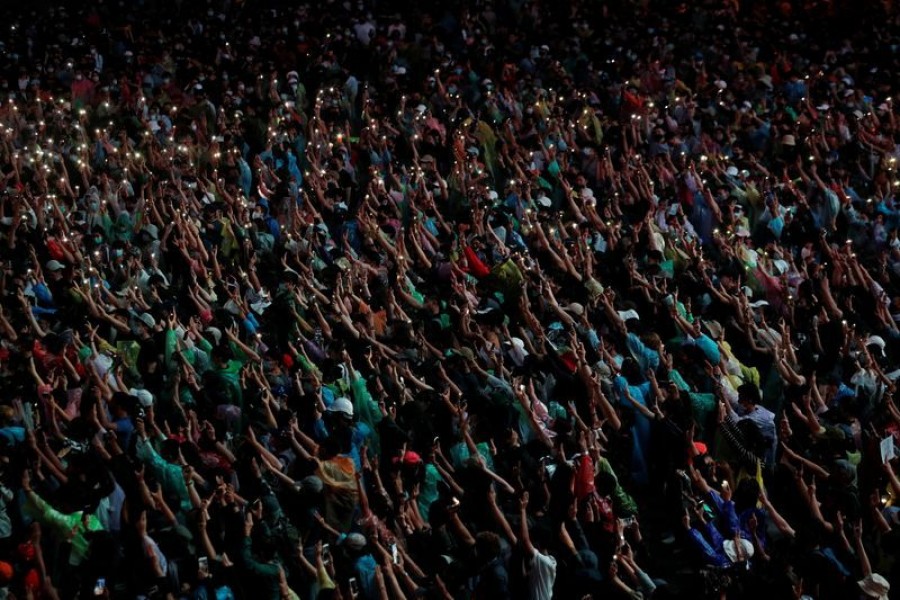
(66, 526)
(170, 476)
(267, 574)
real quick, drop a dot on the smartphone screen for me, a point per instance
(100, 587)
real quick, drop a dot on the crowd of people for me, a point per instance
(489, 299)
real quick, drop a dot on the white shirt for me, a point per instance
(541, 576)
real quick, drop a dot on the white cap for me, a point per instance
(143, 396)
(216, 334)
(517, 350)
(876, 340)
(629, 314)
(342, 405)
(55, 265)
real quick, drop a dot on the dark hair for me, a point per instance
(747, 392)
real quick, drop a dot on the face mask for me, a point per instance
(118, 253)
(98, 239)
(95, 206)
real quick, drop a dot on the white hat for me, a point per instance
(629, 314)
(575, 308)
(216, 333)
(518, 343)
(780, 265)
(788, 140)
(517, 350)
(355, 541)
(587, 193)
(732, 171)
(147, 319)
(143, 396)
(55, 265)
(544, 200)
(421, 108)
(342, 405)
(875, 585)
(876, 340)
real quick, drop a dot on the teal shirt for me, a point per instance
(170, 476)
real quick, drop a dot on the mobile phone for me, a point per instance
(354, 587)
(326, 554)
(394, 555)
(100, 586)
(203, 565)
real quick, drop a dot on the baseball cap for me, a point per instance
(148, 320)
(342, 405)
(355, 541)
(55, 265)
(876, 340)
(143, 396)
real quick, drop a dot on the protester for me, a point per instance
(491, 300)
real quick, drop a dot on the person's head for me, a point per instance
(605, 484)
(487, 546)
(875, 586)
(140, 522)
(748, 396)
